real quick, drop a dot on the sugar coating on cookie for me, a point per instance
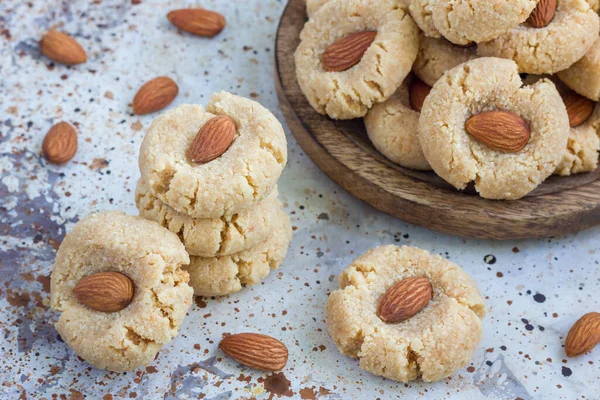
(436, 56)
(242, 176)
(229, 274)
(422, 12)
(584, 76)
(556, 47)
(312, 6)
(432, 344)
(392, 127)
(130, 338)
(210, 237)
(581, 155)
(350, 93)
(489, 84)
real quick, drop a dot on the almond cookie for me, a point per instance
(431, 344)
(467, 21)
(130, 337)
(210, 237)
(584, 76)
(351, 80)
(524, 158)
(555, 47)
(392, 127)
(437, 56)
(228, 274)
(244, 174)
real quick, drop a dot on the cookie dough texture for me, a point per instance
(210, 237)
(594, 5)
(242, 176)
(392, 127)
(553, 48)
(432, 344)
(349, 94)
(467, 21)
(581, 155)
(228, 274)
(130, 338)
(437, 56)
(584, 76)
(312, 6)
(488, 84)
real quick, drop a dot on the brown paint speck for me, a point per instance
(308, 393)
(277, 384)
(471, 369)
(200, 303)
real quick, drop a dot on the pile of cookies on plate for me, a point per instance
(501, 94)
(211, 222)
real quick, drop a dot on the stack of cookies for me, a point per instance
(501, 94)
(210, 176)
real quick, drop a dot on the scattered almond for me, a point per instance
(584, 335)
(542, 14)
(62, 48)
(212, 140)
(104, 291)
(60, 144)
(499, 130)
(405, 299)
(256, 351)
(347, 51)
(155, 95)
(579, 108)
(197, 21)
(418, 91)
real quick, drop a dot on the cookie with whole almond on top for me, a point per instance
(406, 314)
(213, 162)
(354, 54)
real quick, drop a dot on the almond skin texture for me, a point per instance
(347, 51)
(62, 48)
(155, 95)
(499, 130)
(584, 335)
(212, 140)
(418, 91)
(405, 299)
(60, 144)
(542, 14)
(104, 291)
(256, 351)
(579, 108)
(197, 21)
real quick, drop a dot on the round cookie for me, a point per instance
(210, 237)
(553, 48)
(129, 338)
(432, 344)
(422, 12)
(584, 76)
(489, 84)
(392, 127)
(228, 274)
(582, 151)
(236, 180)
(350, 93)
(437, 56)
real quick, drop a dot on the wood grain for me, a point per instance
(342, 150)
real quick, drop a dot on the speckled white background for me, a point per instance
(535, 290)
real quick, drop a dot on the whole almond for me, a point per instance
(347, 51)
(104, 291)
(212, 140)
(60, 144)
(499, 130)
(197, 21)
(542, 14)
(584, 335)
(62, 48)
(405, 299)
(579, 108)
(155, 95)
(256, 351)
(418, 91)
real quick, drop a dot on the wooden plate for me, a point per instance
(343, 151)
